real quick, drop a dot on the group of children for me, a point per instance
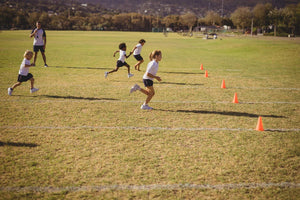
(148, 77)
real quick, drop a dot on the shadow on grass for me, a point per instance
(180, 72)
(18, 144)
(243, 114)
(171, 83)
(80, 98)
(69, 67)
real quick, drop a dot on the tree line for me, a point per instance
(264, 18)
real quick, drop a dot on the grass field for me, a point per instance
(82, 136)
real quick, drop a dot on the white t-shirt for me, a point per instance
(138, 49)
(122, 56)
(24, 70)
(38, 37)
(152, 68)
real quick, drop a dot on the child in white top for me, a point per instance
(137, 54)
(24, 74)
(148, 78)
(121, 61)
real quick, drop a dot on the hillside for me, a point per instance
(168, 7)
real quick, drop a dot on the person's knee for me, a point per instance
(151, 93)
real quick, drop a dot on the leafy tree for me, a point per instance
(171, 21)
(212, 18)
(6, 17)
(260, 14)
(188, 20)
(242, 17)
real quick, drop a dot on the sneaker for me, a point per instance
(33, 90)
(105, 74)
(146, 107)
(130, 75)
(9, 91)
(45, 65)
(135, 88)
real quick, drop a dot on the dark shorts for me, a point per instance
(120, 63)
(38, 48)
(148, 82)
(138, 57)
(22, 78)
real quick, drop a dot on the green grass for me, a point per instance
(78, 129)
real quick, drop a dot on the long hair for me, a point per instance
(154, 53)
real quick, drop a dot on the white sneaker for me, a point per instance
(105, 74)
(9, 91)
(130, 75)
(135, 88)
(33, 90)
(146, 107)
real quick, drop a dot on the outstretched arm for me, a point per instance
(129, 55)
(133, 49)
(116, 52)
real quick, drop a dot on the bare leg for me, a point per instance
(35, 56)
(149, 91)
(16, 85)
(32, 82)
(114, 70)
(128, 68)
(44, 57)
(137, 65)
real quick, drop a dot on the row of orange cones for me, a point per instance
(259, 126)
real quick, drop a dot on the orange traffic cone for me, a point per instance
(201, 67)
(235, 99)
(206, 74)
(223, 84)
(259, 126)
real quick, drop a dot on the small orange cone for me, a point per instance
(259, 126)
(235, 99)
(223, 84)
(201, 67)
(206, 74)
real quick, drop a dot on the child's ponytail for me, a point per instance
(154, 53)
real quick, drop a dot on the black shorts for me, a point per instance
(38, 48)
(148, 82)
(120, 63)
(22, 78)
(138, 57)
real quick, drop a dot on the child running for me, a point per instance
(137, 54)
(121, 61)
(148, 78)
(24, 74)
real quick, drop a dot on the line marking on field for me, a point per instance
(52, 189)
(194, 85)
(246, 88)
(144, 128)
(66, 99)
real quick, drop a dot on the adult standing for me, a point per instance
(39, 42)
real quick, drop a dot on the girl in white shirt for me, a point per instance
(137, 54)
(24, 74)
(121, 61)
(148, 78)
